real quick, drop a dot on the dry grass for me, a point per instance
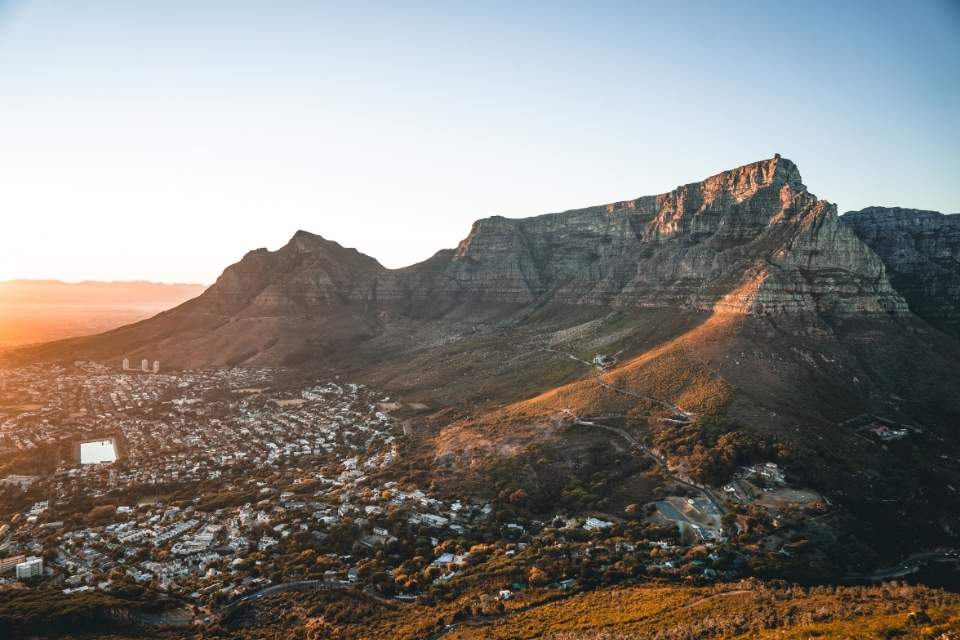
(734, 611)
(671, 372)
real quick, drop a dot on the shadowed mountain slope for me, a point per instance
(921, 251)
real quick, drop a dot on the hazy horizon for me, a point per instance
(34, 311)
(161, 143)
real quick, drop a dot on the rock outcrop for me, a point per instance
(309, 273)
(749, 240)
(921, 251)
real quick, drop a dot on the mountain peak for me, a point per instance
(749, 178)
(305, 242)
(301, 234)
(787, 171)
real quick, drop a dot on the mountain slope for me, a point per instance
(921, 251)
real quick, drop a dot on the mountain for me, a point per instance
(744, 319)
(714, 272)
(43, 310)
(750, 241)
(921, 251)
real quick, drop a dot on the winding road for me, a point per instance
(634, 442)
(681, 416)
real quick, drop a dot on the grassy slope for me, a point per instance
(733, 611)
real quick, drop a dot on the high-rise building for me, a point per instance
(126, 364)
(32, 567)
(145, 365)
(156, 366)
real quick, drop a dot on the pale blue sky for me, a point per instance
(163, 140)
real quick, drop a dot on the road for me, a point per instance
(301, 585)
(304, 585)
(680, 416)
(439, 633)
(912, 564)
(634, 442)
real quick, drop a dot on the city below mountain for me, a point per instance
(725, 403)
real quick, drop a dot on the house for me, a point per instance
(434, 520)
(428, 519)
(23, 482)
(266, 542)
(596, 524)
(603, 361)
(39, 507)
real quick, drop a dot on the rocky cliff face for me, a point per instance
(921, 251)
(749, 240)
(307, 274)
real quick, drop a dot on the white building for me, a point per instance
(596, 524)
(32, 567)
(39, 507)
(126, 364)
(156, 366)
(145, 365)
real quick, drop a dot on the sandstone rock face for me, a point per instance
(749, 240)
(921, 251)
(309, 272)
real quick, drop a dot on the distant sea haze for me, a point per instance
(34, 311)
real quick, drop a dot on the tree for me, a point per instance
(536, 576)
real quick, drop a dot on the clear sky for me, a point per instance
(162, 140)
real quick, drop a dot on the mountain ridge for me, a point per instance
(585, 256)
(751, 240)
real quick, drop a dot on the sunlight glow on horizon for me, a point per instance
(162, 142)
